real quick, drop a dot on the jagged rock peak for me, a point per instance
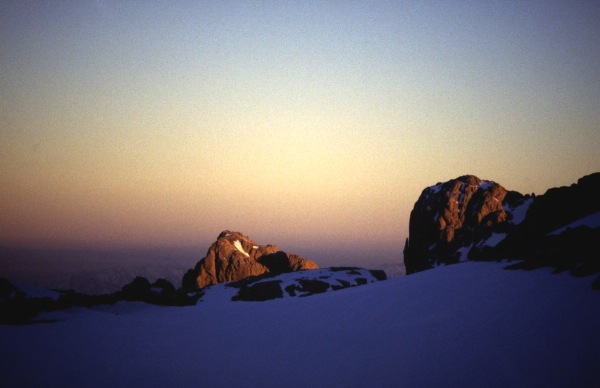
(235, 256)
(454, 198)
(457, 213)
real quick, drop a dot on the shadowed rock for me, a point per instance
(260, 292)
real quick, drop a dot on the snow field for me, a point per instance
(469, 324)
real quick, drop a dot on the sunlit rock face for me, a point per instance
(459, 213)
(471, 219)
(234, 256)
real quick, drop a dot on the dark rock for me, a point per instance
(344, 283)
(313, 286)
(596, 284)
(9, 291)
(18, 308)
(282, 262)
(378, 274)
(19, 311)
(161, 292)
(139, 285)
(245, 282)
(291, 290)
(259, 292)
(165, 286)
(554, 209)
(348, 270)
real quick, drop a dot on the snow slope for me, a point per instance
(591, 221)
(34, 292)
(333, 277)
(470, 324)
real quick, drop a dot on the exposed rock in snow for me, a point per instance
(234, 256)
(453, 215)
(558, 228)
(291, 284)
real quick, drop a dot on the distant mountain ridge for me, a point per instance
(468, 218)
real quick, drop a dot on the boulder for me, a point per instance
(260, 292)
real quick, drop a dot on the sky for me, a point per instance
(311, 125)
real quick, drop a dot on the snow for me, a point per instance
(486, 185)
(463, 252)
(591, 221)
(32, 291)
(493, 240)
(432, 190)
(238, 246)
(519, 212)
(469, 324)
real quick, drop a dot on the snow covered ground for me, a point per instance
(470, 324)
(591, 221)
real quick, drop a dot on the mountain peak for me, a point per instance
(450, 214)
(235, 256)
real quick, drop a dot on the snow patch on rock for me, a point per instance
(493, 240)
(519, 212)
(238, 245)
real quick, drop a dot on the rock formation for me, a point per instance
(469, 218)
(457, 213)
(552, 235)
(299, 284)
(21, 303)
(234, 256)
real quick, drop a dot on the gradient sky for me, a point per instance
(304, 124)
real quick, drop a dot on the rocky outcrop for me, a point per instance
(234, 256)
(471, 219)
(295, 284)
(455, 214)
(561, 230)
(22, 303)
